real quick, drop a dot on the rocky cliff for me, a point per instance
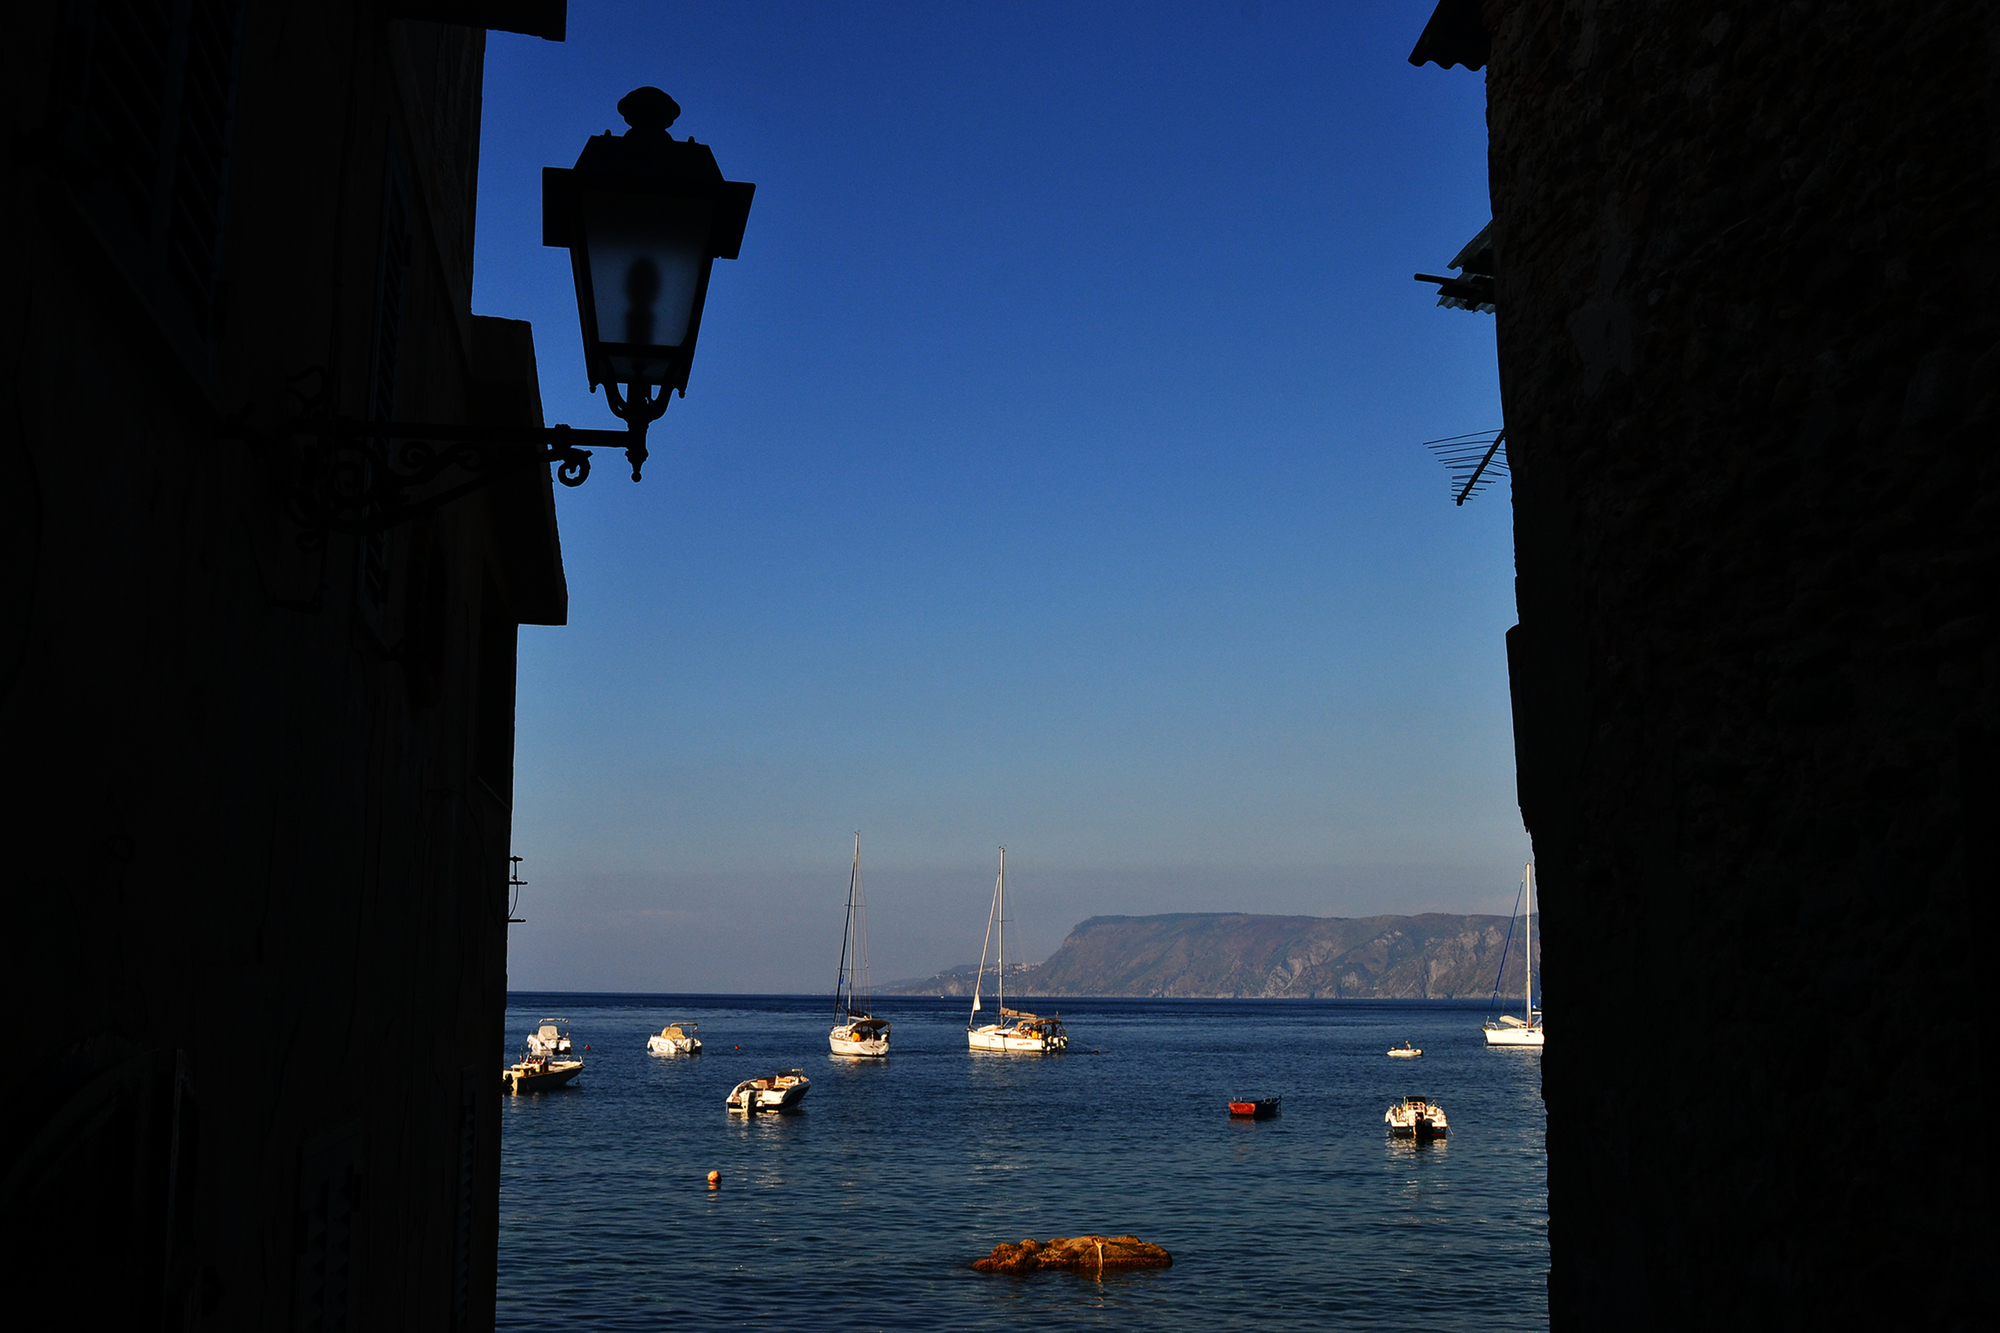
(1240, 955)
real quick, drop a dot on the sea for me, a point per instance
(865, 1208)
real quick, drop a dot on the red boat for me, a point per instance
(1262, 1109)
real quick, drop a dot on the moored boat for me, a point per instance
(550, 1062)
(539, 1073)
(1507, 1030)
(1263, 1108)
(1026, 1034)
(675, 1039)
(856, 1030)
(860, 1036)
(551, 1039)
(1416, 1117)
(773, 1092)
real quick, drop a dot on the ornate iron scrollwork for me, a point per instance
(359, 476)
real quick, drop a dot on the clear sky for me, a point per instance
(1050, 475)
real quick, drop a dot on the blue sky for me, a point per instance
(1050, 475)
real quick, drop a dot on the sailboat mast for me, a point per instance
(1528, 950)
(1000, 897)
(841, 980)
(857, 916)
(980, 976)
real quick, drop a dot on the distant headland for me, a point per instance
(1240, 955)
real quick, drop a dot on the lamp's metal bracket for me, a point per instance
(638, 409)
(360, 476)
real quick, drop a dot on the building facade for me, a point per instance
(1749, 353)
(261, 741)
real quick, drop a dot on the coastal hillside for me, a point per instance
(1244, 956)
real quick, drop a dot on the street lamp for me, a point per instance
(644, 218)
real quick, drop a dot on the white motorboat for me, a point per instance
(550, 1062)
(1406, 1052)
(551, 1039)
(1507, 1030)
(856, 1031)
(1416, 1118)
(675, 1039)
(774, 1092)
(1017, 1032)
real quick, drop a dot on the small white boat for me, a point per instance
(774, 1092)
(1416, 1118)
(1027, 1034)
(675, 1039)
(1507, 1030)
(1406, 1052)
(551, 1039)
(856, 1031)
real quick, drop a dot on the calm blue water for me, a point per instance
(865, 1209)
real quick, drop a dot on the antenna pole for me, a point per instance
(1473, 480)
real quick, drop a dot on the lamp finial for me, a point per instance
(648, 111)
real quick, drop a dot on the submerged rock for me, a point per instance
(1087, 1253)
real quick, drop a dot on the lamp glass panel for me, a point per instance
(645, 266)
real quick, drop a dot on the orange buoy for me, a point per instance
(715, 1180)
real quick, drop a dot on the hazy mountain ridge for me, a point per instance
(1242, 955)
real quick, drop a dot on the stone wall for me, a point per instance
(260, 788)
(1747, 334)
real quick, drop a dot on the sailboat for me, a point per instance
(1027, 1032)
(1507, 1030)
(856, 1031)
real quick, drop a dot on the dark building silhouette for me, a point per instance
(260, 767)
(1749, 351)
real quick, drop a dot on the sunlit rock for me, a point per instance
(1087, 1253)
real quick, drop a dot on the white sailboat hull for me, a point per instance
(993, 1037)
(845, 1042)
(1521, 1036)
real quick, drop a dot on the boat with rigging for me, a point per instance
(1416, 1118)
(1026, 1034)
(675, 1039)
(856, 1030)
(781, 1091)
(1507, 1030)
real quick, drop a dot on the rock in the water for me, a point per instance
(1087, 1253)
